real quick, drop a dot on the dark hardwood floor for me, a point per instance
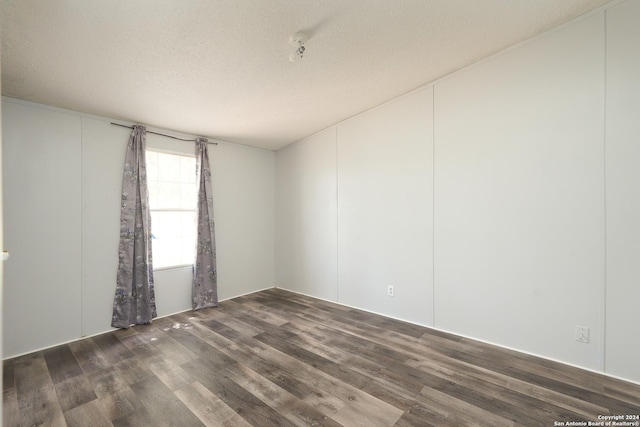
(278, 358)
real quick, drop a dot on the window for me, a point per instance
(172, 203)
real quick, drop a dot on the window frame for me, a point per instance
(178, 265)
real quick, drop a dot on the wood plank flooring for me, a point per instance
(275, 358)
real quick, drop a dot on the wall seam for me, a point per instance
(83, 199)
(433, 205)
(603, 322)
(337, 221)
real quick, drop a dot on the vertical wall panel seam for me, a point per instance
(337, 220)
(433, 206)
(82, 227)
(273, 223)
(603, 311)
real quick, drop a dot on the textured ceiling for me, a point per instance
(220, 68)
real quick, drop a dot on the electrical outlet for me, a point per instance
(582, 334)
(390, 290)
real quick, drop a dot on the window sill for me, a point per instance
(173, 267)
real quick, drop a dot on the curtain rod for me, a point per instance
(162, 134)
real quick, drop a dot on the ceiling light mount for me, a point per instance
(297, 42)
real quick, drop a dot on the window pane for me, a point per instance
(172, 199)
(188, 253)
(188, 223)
(152, 165)
(152, 186)
(188, 169)
(188, 196)
(165, 224)
(174, 238)
(162, 253)
(168, 167)
(168, 195)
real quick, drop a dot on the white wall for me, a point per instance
(623, 195)
(519, 198)
(516, 244)
(244, 187)
(62, 182)
(385, 209)
(306, 218)
(42, 180)
(352, 222)
(103, 150)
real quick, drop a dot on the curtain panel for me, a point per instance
(134, 301)
(205, 276)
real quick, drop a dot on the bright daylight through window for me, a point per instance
(172, 202)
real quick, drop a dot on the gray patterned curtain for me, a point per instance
(205, 275)
(135, 301)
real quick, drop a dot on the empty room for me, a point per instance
(320, 213)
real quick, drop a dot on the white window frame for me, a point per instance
(148, 151)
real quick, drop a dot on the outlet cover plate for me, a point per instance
(582, 334)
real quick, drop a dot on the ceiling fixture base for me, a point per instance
(297, 41)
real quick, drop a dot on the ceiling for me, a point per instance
(220, 68)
